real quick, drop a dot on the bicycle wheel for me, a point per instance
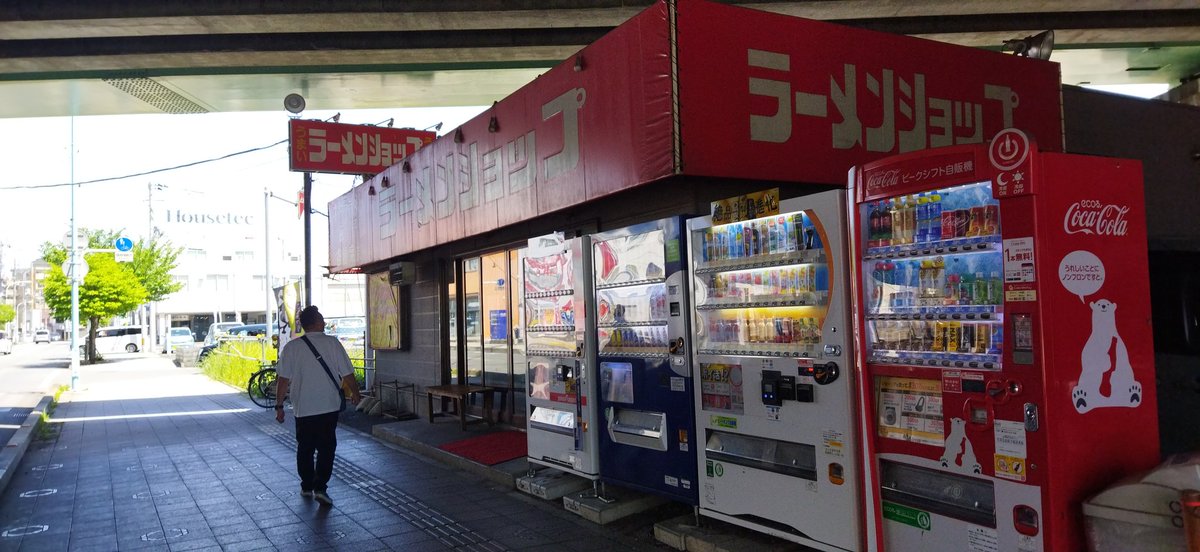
(262, 388)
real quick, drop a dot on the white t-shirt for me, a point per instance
(311, 391)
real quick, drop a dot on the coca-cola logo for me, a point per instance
(883, 179)
(1092, 217)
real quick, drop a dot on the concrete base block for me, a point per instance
(618, 504)
(551, 484)
(681, 533)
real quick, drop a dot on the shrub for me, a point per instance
(234, 361)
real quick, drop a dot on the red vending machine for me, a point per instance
(1004, 343)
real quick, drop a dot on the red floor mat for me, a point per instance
(490, 449)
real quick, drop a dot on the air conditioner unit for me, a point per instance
(403, 273)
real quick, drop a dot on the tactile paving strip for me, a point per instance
(434, 523)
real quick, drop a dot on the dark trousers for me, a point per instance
(315, 434)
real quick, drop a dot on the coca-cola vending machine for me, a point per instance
(1004, 343)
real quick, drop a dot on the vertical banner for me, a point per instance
(287, 298)
(384, 309)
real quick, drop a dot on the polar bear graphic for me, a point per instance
(1096, 363)
(959, 454)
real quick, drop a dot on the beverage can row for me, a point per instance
(949, 336)
(765, 329)
(638, 337)
(766, 236)
(775, 282)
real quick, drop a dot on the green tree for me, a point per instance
(7, 314)
(153, 263)
(110, 288)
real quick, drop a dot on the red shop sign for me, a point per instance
(318, 146)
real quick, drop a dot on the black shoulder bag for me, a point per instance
(328, 372)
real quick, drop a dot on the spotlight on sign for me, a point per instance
(1037, 46)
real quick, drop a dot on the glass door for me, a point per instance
(473, 336)
(516, 395)
(485, 343)
(497, 349)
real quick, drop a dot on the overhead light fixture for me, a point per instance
(1037, 46)
(293, 103)
(386, 183)
(493, 124)
(390, 121)
(406, 167)
(435, 128)
(371, 190)
(579, 63)
(458, 135)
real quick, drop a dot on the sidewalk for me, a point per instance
(149, 456)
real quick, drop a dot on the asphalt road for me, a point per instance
(30, 373)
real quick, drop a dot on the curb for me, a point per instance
(11, 456)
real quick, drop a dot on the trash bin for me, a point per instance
(1144, 512)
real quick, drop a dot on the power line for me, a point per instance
(155, 171)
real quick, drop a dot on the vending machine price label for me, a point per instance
(1018, 261)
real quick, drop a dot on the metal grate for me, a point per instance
(162, 98)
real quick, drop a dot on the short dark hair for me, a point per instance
(308, 316)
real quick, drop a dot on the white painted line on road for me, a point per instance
(9, 426)
(155, 415)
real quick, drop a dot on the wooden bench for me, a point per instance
(459, 395)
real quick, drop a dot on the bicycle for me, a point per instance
(262, 385)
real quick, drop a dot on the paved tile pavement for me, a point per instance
(204, 469)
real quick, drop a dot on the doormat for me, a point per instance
(490, 449)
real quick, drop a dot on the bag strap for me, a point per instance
(328, 372)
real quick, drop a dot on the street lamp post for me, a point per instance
(74, 354)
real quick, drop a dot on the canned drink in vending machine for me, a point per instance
(962, 222)
(948, 224)
(991, 219)
(966, 338)
(977, 224)
(983, 339)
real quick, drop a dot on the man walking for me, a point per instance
(315, 368)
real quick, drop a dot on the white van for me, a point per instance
(119, 339)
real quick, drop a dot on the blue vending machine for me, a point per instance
(645, 394)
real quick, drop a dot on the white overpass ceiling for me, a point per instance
(76, 57)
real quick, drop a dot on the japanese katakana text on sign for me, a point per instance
(351, 149)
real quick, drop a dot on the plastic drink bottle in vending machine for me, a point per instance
(995, 289)
(873, 226)
(922, 234)
(933, 231)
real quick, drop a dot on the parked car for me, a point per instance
(41, 336)
(117, 339)
(235, 332)
(5, 343)
(350, 330)
(181, 335)
(218, 329)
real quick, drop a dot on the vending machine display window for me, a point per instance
(934, 279)
(763, 287)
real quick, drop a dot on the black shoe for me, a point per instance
(323, 498)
